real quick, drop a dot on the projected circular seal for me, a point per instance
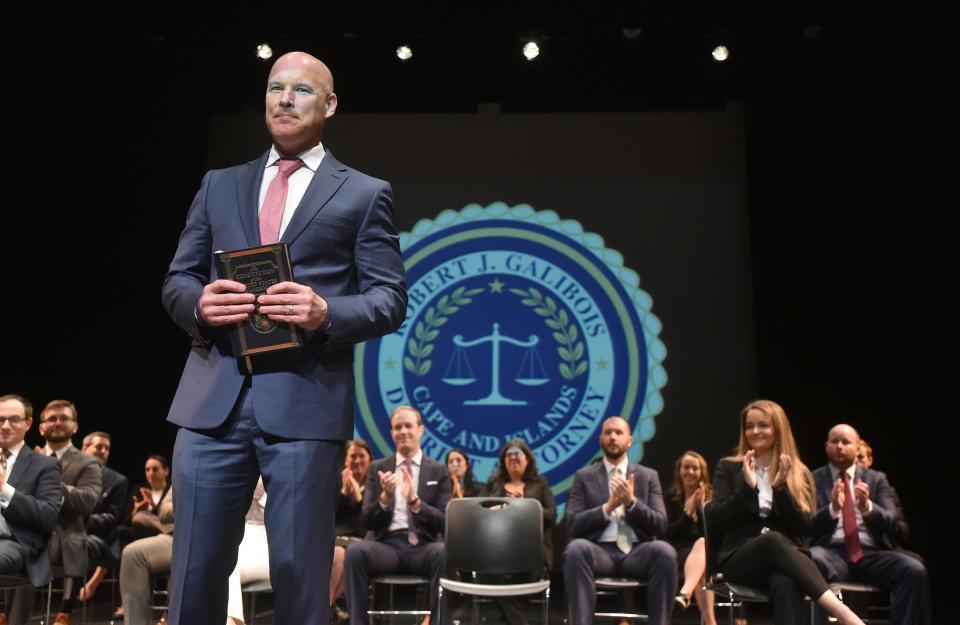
(519, 325)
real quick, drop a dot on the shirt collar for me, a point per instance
(621, 466)
(311, 158)
(15, 451)
(417, 458)
(851, 472)
(59, 453)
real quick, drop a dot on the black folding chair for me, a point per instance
(489, 539)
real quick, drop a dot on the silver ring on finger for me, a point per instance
(289, 309)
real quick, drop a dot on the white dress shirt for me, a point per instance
(765, 494)
(399, 520)
(616, 516)
(866, 540)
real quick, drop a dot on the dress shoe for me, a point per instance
(680, 604)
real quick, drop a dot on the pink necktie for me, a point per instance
(851, 533)
(412, 537)
(271, 213)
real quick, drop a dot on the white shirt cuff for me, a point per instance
(6, 495)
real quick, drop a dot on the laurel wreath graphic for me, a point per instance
(565, 332)
(427, 331)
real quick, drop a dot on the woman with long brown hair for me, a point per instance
(691, 489)
(763, 501)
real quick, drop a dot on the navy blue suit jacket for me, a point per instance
(882, 522)
(433, 488)
(343, 245)
(591, 489)
(32, 513)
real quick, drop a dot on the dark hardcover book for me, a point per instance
(259, 268)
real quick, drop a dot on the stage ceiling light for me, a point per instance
(531, 50)
(720, 54)
(404, 53)
(264, 51)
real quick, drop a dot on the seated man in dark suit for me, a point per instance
(29, 501)
(403, 512)
(856, 528)
(615, 514)
(103, 543)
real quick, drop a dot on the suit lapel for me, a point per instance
(163, 495)
(24, 459)
(633, 469)
(422, 480)
(824, 485)
(604, 481)
(67, 456)
(248, 196)
(329, 177)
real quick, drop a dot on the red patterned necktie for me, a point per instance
(851, 533)
(271, 213)
(412, 537)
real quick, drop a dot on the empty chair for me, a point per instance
(494, 548)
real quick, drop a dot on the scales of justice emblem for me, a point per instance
(460, 373)
(519, 325)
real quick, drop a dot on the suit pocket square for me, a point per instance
(432, 483)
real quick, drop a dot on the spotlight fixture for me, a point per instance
(720, 54)
(531, 50)
(404, 53)
(264, 51)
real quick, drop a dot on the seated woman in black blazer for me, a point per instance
(763, 500)
(684, 500)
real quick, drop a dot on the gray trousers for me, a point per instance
(141, 559)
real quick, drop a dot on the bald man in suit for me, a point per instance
(877, 526)
(283, 414)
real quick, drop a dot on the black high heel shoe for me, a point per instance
(680, 604)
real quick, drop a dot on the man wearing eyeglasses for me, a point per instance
(81, 480)
(29, 501)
